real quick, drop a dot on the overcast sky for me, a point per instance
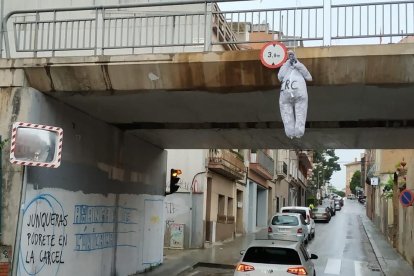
(345, 156)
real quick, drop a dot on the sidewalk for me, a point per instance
(176, 260)
(391, 262)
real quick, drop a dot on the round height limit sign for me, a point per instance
(273, 54)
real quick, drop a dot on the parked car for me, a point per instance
(330, 203)
(275, 257)
(362, 199)
(322, 213)
(339, 201)
(350, 196)
(307, 214)
(288, 227)
(337, 206)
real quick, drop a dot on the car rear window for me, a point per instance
(272, 255)
(285, 220)
(319, 210)
(296, 211)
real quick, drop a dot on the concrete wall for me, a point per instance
(383, 209)
(406, 215)
(103, 205)
(178, 210)
(11, 109)
(390, 158)
(223, 186)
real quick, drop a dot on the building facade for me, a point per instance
(232, 192)
(350, 169)
(394, 170)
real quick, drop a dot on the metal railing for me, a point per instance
(281, 168)
(286, 24)
(99, 29)
(227, 158)
(264, 160)
(199, 26)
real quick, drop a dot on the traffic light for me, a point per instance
(174, 180)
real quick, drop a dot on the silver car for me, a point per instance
(288, 226)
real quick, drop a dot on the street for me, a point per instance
(342, 246)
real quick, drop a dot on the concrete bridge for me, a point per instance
(120, 112)
(360, 96)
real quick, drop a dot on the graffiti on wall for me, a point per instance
(98, 237)
(43, 239)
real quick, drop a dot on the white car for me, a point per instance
(288, 226)
(306, 212)
(275, 257)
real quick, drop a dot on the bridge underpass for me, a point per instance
(360, 97)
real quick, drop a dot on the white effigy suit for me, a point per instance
(293, 100)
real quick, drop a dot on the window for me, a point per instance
(272, 255)
(285, 220)
(221, 205)
(302, 212)
(229, 206)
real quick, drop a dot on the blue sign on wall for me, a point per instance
(407, 198)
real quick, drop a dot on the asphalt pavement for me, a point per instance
(348, 245)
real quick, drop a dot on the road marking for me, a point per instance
(359, 268)
(333, 266)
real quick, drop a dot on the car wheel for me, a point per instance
(313, 235)
(314, 273)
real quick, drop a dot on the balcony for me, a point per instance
(281, 169)
(226, 163)
(262, 164)
(302, 178)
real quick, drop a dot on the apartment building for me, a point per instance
(228, 192)
(396, 222)
(350, 169)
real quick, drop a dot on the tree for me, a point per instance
(326, 163)
(355, 181)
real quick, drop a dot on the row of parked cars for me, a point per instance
(284, 252)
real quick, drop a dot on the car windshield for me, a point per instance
(272, 255)
(285, 220)
(296, 211)
(319, 210)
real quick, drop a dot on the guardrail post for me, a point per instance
(327, 19)
(36, 35)
(1, 27)
(103, 32)
(208, 33)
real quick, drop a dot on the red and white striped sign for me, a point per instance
(57, 151)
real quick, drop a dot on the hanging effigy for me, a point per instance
(293, 100)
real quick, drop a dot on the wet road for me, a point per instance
(342, 246)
